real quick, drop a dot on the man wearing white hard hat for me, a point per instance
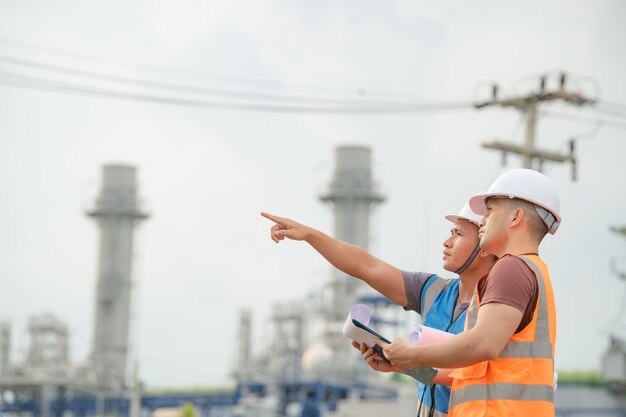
(505, 358)
(442, 303)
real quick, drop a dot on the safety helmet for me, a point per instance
(466, 213)
(528, 185)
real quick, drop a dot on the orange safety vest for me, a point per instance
(519, 382)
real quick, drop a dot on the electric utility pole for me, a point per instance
(529, 105)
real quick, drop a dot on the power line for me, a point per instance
(185, 88)
(45, 84)
(610, 113)
(131, 64)
(613, 110)
(360, 93)
(576, 118)
(620, 106)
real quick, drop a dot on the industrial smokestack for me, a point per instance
(116, 212)
(352, 193)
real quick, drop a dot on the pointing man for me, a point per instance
(442, 303)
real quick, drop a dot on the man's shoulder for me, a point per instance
(509, 260)
(417, 284)
(508, 264)
(509, 274)
(512, 282)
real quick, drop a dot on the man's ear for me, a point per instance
(518, 215)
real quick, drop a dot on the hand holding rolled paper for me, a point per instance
(357, 328)
(425, 335)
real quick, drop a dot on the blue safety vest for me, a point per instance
(437, 301)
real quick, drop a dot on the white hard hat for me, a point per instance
(466, 213)
(528, 185)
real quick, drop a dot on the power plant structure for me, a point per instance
(307, 367)
(116, 213)
(46, 383)
(310, 367)
(352, 194)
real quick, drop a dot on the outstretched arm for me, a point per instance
(344, 256)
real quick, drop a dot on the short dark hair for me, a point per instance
(538, 228)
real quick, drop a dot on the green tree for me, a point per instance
(188, 410)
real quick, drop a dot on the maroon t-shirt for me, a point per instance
(511, 282)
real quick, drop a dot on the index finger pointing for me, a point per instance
(273, 218)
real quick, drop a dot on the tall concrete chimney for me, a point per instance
(352, 193)
(116, 212)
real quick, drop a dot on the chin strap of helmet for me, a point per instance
(469, 260)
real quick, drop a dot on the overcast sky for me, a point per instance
(205, 173)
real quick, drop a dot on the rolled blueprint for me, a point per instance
(427, 335)
(363, 314)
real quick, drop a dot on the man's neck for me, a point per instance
(519, 248)
(517, 242)
(469, 280)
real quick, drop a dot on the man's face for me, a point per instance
(459, 246)
(492, 232)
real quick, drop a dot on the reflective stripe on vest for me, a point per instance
(438, 302)
(493, 381)
(541, 346)
(527, 350)
(436, 287)
(542, 331)
(503, 391)
(472, 312)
